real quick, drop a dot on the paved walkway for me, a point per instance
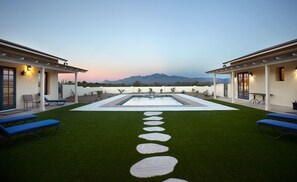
(274, 108)
(20, 112)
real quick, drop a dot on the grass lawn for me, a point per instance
(101, 146)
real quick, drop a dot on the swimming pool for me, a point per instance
(150, 100)
(169, 102)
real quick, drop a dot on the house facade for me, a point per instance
(268, 76)
(26, 71)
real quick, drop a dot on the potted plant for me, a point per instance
(295, 105)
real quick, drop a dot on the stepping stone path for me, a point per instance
(156, 165)
(153, 123)
(151, 148)
(154, 128)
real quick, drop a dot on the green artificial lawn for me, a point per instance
(101, 146)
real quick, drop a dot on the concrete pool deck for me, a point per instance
(190, 104)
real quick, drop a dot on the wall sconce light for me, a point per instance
(251, 74)
(23, 73)
(296, 69)
(29, 68)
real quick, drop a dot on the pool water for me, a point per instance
(152, 101)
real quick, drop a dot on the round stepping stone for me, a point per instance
(155, 137)
(153, 166)
(153, 123)
(152, 113)
(154, 118)
(154, 128)
(175, 180)
(151, 148)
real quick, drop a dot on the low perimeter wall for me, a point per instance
(68, 90)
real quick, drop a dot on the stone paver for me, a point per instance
(154, 128)
(151, 148)
(155, 137)
(153, 166)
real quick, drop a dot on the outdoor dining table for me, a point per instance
(255, 100)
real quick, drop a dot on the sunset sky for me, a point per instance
(119, 38)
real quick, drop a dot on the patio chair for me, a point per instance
(28, 99)
(17, 119)
(29, 128)
(58, 102)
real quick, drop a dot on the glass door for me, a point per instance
(243, 85)
(8, 88)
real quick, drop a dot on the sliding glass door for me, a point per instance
(8, 88)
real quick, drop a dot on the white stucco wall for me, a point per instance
(69, 89)
(28, 84)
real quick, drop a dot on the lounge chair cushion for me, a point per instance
(17, 118)
(282, 116)
(278, 124)
(23, 128)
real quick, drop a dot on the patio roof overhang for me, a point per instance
(281, 53)
(18, 54)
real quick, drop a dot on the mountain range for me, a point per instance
(163, 79)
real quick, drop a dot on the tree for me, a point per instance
(121, 90)
(173, 89)
(137, 83)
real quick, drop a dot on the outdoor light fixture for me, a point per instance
(296, 69)
(251, 74)
(24, 72)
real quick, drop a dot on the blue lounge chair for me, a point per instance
(281, 116)
(285, 127)
(17, 119)
(29, 128)
(59, 102)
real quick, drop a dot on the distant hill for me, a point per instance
(162, 79)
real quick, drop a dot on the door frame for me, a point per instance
(2, 108)
(245, 91)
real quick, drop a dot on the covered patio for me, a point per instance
(268, 75)
(28, 71)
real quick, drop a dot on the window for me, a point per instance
(46, 81)
(281, 74)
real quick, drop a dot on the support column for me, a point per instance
(267, 87)
(42, 89)
(232, 87)
(214, 86)
(75, 89)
